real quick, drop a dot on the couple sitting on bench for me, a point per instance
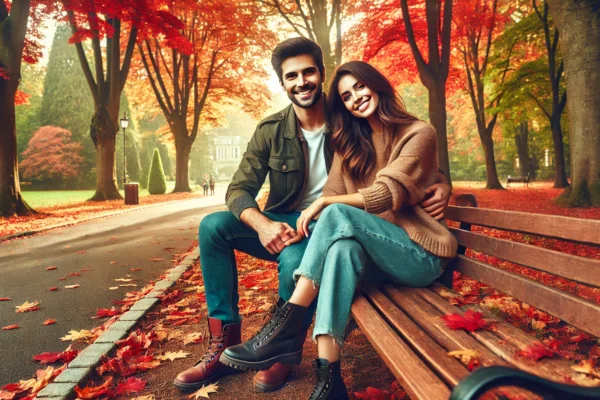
(368, 170)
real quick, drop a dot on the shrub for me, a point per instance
(157, 184)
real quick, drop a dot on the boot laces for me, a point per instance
(267, 330)
(323, 383)
(214, 346)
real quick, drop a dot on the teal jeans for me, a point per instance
(349, 245)
(219, 235)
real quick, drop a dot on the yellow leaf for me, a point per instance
(586, 367)
(465, 355)
(72, 286)
(204, 391)
(78, 335)
(538, 325)
(123, 279)
(27, 306)
(192, 338)
(113, 288)
(174, 356)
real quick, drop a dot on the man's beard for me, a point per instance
(316, 95)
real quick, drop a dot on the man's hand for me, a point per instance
(436, 200)
(273, 235)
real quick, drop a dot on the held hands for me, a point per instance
(274, 235)
(436, 200)
(305, 218)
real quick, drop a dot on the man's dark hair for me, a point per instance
(294, 47)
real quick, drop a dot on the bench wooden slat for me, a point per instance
(402, 361)
(448, 368)
(579, 269)
(572, 309)
(552, 226)
(506, 340)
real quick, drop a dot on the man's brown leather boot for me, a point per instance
(208, 369)
(271, 379)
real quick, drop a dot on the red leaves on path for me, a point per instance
(66, 356)
(10, 327)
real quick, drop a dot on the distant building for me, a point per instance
(226, 153)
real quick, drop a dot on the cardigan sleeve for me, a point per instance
(335, 184)
(412, 168)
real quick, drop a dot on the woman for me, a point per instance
(370, 226)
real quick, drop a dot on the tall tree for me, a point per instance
(227, 37)
(522, 145)
(315, 19)
(110, 22)
(578, 22)
(19, 34)
(478, 24)
(559, 100)
(387, 27)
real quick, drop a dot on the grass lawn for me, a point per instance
(50, 198)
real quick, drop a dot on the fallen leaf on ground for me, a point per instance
(66, 356)
(106, 313)
(74, 274)
(86, 269)
(113, 288)
(128, 285)
(81, 252)
(93, 392)
(173, 356)
(192, 338)
(535, 352)
(51, 268)
(204, 391)
(27, 306)
(469, 357)
(53, 289)
(49, 322)
(78, 335)
(113, 262)
(135, 269)
(5, 298)
(123, 280)
(72, 286)
(10, 327)
(131, 385)
(157, 259)
(470, 321)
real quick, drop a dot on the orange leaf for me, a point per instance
(49, 322)
(10, 327)
(51, 268)
(53, 289)
(27, 306)
(92, 392)
(535, 352)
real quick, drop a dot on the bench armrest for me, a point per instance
(484, 379)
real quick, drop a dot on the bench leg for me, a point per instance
(484, 379)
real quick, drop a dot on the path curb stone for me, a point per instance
(78, 371)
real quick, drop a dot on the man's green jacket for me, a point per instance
(278, 149)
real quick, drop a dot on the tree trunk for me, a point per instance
(491, 173)
(578, 22)
(522, 144)
(437, 118)
(560, 172)
(182, 162)
(11, 200)
(104, 132)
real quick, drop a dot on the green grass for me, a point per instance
(51, 198)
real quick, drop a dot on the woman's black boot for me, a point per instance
(330, 385)
(280, 340)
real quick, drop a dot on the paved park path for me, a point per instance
(110, 247)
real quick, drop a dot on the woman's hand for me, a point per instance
(436, 200)
(309, 214)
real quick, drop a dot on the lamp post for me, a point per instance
(124, 125)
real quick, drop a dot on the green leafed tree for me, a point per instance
(157, 184)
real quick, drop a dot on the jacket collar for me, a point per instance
(292, 125)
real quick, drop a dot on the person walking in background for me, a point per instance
(205, 184)
(212, 185)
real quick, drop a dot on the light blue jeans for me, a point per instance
(349, 245)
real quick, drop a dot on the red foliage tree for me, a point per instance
(220, 66)
(19, 41)
(51, 158)
(111, 22)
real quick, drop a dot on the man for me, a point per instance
(292, 146)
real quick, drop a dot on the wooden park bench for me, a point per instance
(404, 325)
(524, 179)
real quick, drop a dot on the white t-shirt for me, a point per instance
(317, 170)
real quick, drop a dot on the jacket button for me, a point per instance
(284, 167)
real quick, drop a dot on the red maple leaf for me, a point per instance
(49, 322)
(105, 312)
(535, 352)
(131, 385)
(10, 327)
(93, 392)
(470, 321)
(5, 298)
(66, 356)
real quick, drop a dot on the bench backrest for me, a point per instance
(575, 310)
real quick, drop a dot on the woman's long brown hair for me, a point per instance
(352, 135)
